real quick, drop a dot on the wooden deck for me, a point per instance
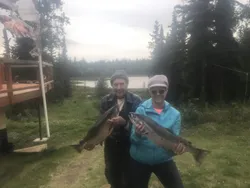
(12, 92)
(21, 92)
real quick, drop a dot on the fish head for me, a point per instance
(135, 118)
(138, 117)
(144, 120)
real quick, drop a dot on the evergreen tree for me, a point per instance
(157, 41)
(101, 88)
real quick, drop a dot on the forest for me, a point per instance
(96, 69)
(206, 53)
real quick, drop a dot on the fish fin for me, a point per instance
(199, 155)
(110, 129)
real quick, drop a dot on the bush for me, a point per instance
(62, 86)
(26, 109)
(101, 88)
(222, 114)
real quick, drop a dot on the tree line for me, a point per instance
(106, 68)
(206, 51)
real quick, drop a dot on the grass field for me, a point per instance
(224, 131)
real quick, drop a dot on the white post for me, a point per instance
(39, 48)
(43, 93)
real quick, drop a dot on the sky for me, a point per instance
(110, 29)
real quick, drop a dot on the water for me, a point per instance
(135, 82)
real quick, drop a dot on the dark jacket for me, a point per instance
(131, 103)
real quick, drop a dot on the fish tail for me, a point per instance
(200, 154)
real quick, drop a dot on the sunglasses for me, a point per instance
(160, 92)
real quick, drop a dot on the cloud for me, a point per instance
(115, 29)
(131, 13)
(121, 28)
(72, 42)
(107, 41)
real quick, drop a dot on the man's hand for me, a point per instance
(180, 149)
(118, 120)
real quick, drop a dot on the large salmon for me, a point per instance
(99, 131)
(164, 137)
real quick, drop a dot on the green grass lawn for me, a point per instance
(223, 131)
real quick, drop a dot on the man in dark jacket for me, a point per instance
(117, 145)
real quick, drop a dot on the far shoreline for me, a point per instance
(95, 78)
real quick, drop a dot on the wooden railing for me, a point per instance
(6, 78)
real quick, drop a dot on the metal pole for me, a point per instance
(221, 89)
(246, 87)
(39, 118)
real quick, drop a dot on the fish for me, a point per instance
(98, 132)
(165, 138)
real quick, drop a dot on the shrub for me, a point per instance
(101, 88)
